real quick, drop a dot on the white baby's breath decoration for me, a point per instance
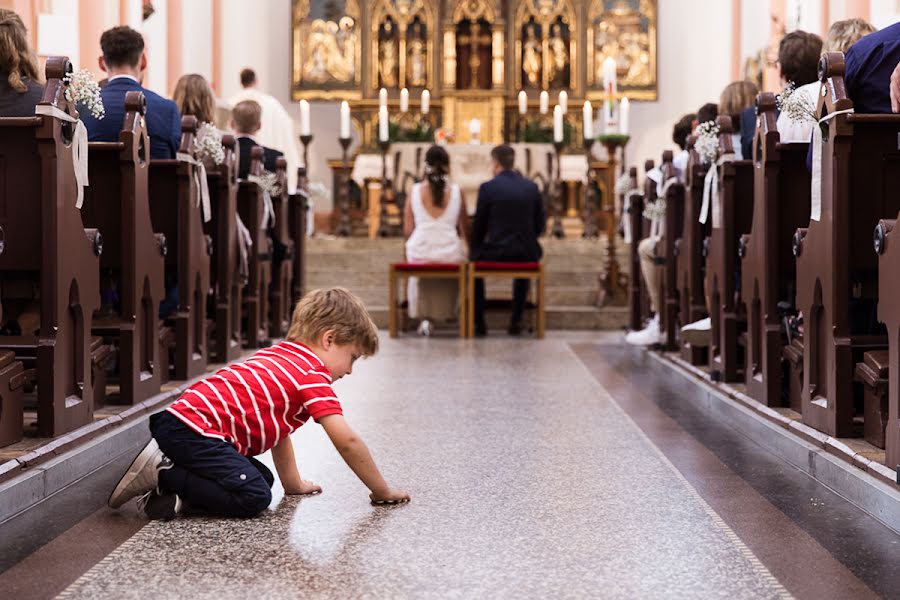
(707, 144)
(316, 190)
(268, 181)
(623, 184)
(84, 91)
(655, 211)
(798, 107)
(208, 144)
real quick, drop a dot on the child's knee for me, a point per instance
(254, 499)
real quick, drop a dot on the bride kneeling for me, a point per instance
(435, 224)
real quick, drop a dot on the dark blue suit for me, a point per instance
(868, 67)
(163, 118)
(508, 220)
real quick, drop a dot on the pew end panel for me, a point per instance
(689, 255)
(252, 211)
(283, 256)
(887, 247)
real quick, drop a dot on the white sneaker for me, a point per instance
(697, 334)
(647, 336)
(142, 476)
(424, 328)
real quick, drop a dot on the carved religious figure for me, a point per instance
(388, 56)
(626, 31)
(531, 56)
(416, 57)
(559, 57)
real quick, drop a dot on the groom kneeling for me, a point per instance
(508, 220)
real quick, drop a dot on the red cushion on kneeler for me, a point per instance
(506, 266)
(426, 266)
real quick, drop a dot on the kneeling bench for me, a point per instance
(873, 374)
(400, 271)
(507, 270)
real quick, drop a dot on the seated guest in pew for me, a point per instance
(125, 61)
(435, 224)
(20, 80)
(509, 218)
(798, 63)
(201, 457)
(737, 97)
(794, 126)
(871, 72)
(245, 120)
(683, 128)
(194, 97)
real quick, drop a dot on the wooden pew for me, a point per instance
(176, 212)
(689, 253)
(731, 217)
(117, 204)
(674, 198)
(283, 257)
(837, 273)
(48, 248)
(225, 279)
(649, 189)
(297, 216)
(780, 206)
(635, 216)
(887, 246)
(12, 380)
(251, 208)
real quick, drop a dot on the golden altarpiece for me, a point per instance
(474, 56)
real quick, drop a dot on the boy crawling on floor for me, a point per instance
(202, 453)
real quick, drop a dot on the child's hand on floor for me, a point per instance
(304, 488)
(391, 497)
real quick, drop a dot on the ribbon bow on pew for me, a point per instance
(200, 182)
(79, 147)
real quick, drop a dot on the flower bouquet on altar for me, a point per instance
(444, 136)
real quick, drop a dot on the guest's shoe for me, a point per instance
(480, 330)
(160, 506)
(648, 336)
(142, 476)
(697, 334)
(424, 328)
(515, 328)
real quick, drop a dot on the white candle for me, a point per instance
(557, 123)
(345, 120)
(382, 97)
(564, 101)
(383, 131)
(588, 113)
(426, 101)
(404, 100)
(474, 127)
(609, 124)
(304, 118)
(609, 76)
(523, 102)
(545, 102)
(623, 116)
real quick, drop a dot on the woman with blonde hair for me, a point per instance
(20, 81)
(735, 98)
(194, 96)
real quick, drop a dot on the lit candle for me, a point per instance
(609, 76)
(564, 101)
(426, 101)
(345, 120)
(304, 118)
(382, 97)
(557, 123)
(383, 132)
(623, 116)
(588, 120)
(404, 100)
(545, 102)
(523, 102)
(609, 124)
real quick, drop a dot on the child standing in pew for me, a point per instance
(202, 453)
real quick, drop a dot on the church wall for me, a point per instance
(884, 12)
(154, 32)
(196, 41)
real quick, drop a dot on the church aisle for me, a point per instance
(527, 480)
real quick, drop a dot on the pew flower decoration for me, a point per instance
(208, 144)
(268, 181)
(655, 211)
(797, 106)
(316, 190)
(82, 90)
(707, 144)
(623, 184)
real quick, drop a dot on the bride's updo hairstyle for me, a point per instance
(437, 170)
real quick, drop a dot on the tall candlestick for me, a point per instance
(426, 101)
(545, 102)
(404, 100)
(382, 97)
(588, 113)
(523, 102)
(345, 120)
(383, 132)
(564, 101)
(609, 76)
(624, 107)
(557, 123)
(304, 118)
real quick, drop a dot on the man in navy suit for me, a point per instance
(509, 218)
(868, 68)
(125, 61)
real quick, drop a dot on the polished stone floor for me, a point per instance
(527, 479)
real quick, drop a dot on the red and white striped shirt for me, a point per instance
(256, 404)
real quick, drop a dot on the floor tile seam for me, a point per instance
(104, 562)
(717, 520)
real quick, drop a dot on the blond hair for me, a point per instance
(338, 310)
(246, 116)
(737, 96)
(17, 59)
(194, 97)
(843, 34)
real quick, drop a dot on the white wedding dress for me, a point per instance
(434, 240)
